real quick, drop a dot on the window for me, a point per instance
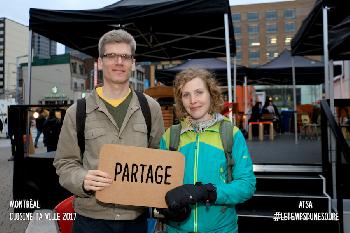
(254, 41)
(287, 40)
(239, 55)
(82, 86)
(252, 16)
(238, 42)
(253, 29)
(271, 15)
(270, 54)
(75, 85)
(236, 17)
(271, 28)
(74, 67)
(254, 54)
(237, 30)
(271, 40)
(289, 27)
(81, 69)
(289, 13)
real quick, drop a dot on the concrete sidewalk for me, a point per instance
(6, 175)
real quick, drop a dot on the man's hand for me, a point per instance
(96, 180)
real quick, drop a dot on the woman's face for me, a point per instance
(196, 99)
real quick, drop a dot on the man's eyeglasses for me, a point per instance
(116, 56)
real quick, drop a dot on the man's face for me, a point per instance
(117, 63)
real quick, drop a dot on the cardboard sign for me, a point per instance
(141, 176)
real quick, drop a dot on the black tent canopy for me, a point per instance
(309, 38)
(279, 71)
(163, 29)
(215, 65)
(339, 44)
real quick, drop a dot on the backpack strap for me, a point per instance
(226, 135)
(80, 124)
(175, 131)
(146, 111)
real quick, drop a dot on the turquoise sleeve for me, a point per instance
(243, 185)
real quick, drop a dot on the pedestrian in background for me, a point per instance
(51, 129)
(39, 123)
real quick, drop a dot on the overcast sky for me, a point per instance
(18, 10)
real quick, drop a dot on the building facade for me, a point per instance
(43, 47)
(58, 80)
(264, 30)
(76, 53)
(13, 48)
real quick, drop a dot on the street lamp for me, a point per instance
(17, 77)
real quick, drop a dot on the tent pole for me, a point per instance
(325, 51)
(331, 87)
(295, 104)
(29, 79)
(330, 96)
(228, 62)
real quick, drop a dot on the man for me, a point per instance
(113, 116)
(51, 129)
(39, 122)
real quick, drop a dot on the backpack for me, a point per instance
(226, 135)
(81, 117)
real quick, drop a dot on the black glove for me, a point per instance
(176, 215)
(189, 194)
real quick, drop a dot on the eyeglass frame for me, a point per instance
(113, 56)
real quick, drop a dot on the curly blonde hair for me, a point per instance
(216, 99)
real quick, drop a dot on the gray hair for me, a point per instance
(116, 36)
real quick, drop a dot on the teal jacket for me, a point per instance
(205, 162)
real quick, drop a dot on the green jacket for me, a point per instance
(100, 129)
(205, 162)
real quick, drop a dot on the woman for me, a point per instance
(206, 202)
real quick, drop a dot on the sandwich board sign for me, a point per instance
(141, 176)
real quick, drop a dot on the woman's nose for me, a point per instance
(193, 99)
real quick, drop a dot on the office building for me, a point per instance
(76, 53)
(58, 80)
(43, 47)
(262, 31)
(13, 48)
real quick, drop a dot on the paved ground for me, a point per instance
(6, 174)
(283, 150)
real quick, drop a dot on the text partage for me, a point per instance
(141, 176)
